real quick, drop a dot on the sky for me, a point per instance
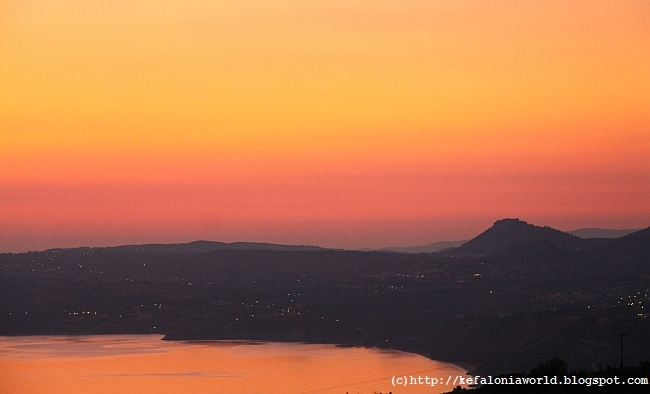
(336, 123)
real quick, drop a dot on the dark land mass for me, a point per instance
(554, 377)
(584, 233)
(434, 247)
(202, 247)
(601, 232)
(539, 293)
(505, 232)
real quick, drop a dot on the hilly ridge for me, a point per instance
(205, 247)
(430, 248)
(537, 288)
(502, 234)
(586, 233)
(630, 249)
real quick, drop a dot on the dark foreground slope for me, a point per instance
(554, 377)
(529, 301)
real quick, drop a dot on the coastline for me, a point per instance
(469, 368)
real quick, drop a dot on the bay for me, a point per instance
(136, 364)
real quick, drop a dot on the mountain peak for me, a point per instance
(510, 223)
(505, 232)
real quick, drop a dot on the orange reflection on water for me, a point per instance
(145, 364)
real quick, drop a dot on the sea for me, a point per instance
(135, 364)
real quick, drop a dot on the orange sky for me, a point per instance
(337, 123)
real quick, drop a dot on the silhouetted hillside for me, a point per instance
(586, 233)
(208, 246)
(506, 232)
(430, 248)
(529, 249)
(527, 301)
(631, 249)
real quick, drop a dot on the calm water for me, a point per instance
(144, 364)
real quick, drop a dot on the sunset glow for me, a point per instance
(337, 123)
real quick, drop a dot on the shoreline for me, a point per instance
(470, 369)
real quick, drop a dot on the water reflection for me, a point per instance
(145, 364)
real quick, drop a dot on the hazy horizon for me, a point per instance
(387, 246)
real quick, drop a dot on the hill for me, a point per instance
(632, 249)
(506, 232)
(530, 300)
(586, 233)
(430, 248)
(205, 247)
